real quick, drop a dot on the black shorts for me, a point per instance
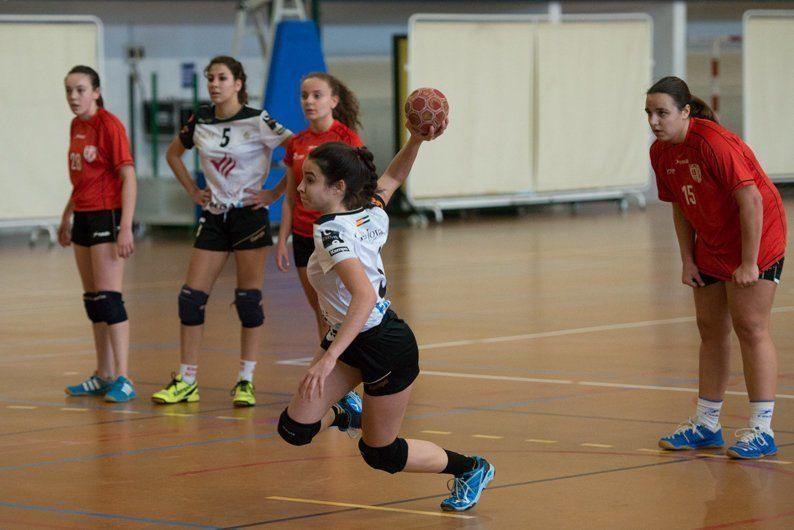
(237, 229)
(387, 356)
(302, 248)
(772, 274)
(94, 228)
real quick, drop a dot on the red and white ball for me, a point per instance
(426, 107)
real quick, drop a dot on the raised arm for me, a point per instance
(403, 161)
(174, 158)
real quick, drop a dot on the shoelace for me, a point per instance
(242, 385)
(688, 425)
(458, 488)
(173, 383)
(750, 436)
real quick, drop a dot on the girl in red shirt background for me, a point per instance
(333, 114)
(731, 229)
(102, 204)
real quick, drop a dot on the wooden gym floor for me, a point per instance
(560, 347)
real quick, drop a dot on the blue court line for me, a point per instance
(104, 515)
(136, 452)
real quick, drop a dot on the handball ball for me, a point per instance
(426, 107)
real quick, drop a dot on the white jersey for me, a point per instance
(358, 234)
(235, 152)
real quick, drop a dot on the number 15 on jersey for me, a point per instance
(689, 194)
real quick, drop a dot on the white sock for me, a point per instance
(708, 414)
(246, 370)
(761, 415)
(188, 372)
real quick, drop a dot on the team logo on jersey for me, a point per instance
(337, 250)
(89, 153)
(273, 124)
(362, 221)
(225, 165)
(694, 170)
(330, 237)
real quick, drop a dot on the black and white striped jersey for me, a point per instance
(234, 152)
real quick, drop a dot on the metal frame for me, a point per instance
(758, 13)
(48, 224)
(438, 204)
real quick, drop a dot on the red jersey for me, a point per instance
(701, 175)
(98, 147)
(298, 149)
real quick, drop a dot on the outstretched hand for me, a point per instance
(431, 134)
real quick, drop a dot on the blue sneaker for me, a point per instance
(351, 404)
(753, 443)
(93, 386)
(691, 435)
(121, 391)
(467, 488)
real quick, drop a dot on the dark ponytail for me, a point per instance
(236, 68)
(93, 76)
(677, 89)
(347, 110)
(354, 165)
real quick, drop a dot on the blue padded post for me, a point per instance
(296, 52)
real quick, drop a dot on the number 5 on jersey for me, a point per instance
(689, 194)
(225, 136)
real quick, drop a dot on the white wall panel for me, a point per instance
(35, 57)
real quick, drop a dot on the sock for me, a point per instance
(708, 414)
(188, 372)
(761, 415)
(458, 464)
(341, 417)
(247, 371)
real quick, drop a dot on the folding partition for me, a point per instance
(36, 52)
(768, 85)
(539, 111)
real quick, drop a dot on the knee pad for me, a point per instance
(249, 307)
(110, 307)
(191, 306)
(391, 458)
(296, 433)
(90, 304)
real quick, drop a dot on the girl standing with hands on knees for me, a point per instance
(332, 111)
(366, 342)
(731, 230)
(101, 204)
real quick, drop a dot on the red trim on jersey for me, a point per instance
(98, 148)
(701, 175)
(299, 147)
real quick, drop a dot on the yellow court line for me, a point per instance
(487, 436)
(178, 414)
(126, 412)
(600, 446)
(229, 418)
(73, 409)
(367, 507)
(656, 451)
(781, 462)
(25, 407)
(537, 441)
(709, 455)
(437, 432)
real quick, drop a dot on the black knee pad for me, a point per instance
(391, 458)
(249, 307)
(296, 433)
(110, 307)
(191, 306)
(90, 304)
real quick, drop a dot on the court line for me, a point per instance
(427, 497)
(103, 515)
(574, 331)
(747, 522)
(369, 507)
